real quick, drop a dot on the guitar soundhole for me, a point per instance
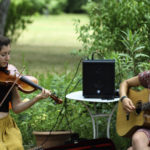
(138, 107)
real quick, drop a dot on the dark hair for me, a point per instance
(4, 41)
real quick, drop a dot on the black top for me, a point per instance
(3, 91)
(4, 88)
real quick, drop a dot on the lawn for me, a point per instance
(47, 44)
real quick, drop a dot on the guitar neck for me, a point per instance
(146, 106)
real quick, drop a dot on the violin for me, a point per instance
(26, 84)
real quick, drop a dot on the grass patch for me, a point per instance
(44, 58)
(47, 43)
(52, 30)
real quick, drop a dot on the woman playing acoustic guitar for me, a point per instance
(141, 137)
(10, 136)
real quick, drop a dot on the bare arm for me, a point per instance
(19, 106)
(124, 86)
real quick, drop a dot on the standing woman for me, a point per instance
(10, 136)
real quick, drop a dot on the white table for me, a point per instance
(79, 97)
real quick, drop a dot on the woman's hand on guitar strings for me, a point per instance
(128, 105)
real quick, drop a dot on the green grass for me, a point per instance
(47, 43)
(43, 58)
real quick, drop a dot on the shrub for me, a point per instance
(19, 16)
(75, 6)
(107, 20)
(56, 6)
(118, 29)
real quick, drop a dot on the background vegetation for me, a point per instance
(114, 30)
(52, 46)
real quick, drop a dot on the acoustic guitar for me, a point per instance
(127, 124)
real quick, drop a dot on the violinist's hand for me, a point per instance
(44, 94)
(128, 105)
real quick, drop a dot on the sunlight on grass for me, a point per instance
(52, 30)
(44, 59)
(47, 43)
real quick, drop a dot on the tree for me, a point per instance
(19, 16)
(4, 5)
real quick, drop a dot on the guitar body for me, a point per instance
(126, 127)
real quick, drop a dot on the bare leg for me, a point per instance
(140, 141)
(130, 148)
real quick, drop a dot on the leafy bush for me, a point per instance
(117, 30)
(56, 6)
(107, 20)
(19, 16)
(75, 6)
(21, 11)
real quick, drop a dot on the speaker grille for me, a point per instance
(98, 78)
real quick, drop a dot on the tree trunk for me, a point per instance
(4, 5)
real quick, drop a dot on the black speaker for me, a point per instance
(98, 77)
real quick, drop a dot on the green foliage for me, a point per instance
(20, 12)
(56, 6)
(129, 63)
(75, 6)
(117, 30)
(107, 20)
(68, 6)
(133, 51)
(19, 16)
(46, 116)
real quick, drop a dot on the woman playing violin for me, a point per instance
(10, 136)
